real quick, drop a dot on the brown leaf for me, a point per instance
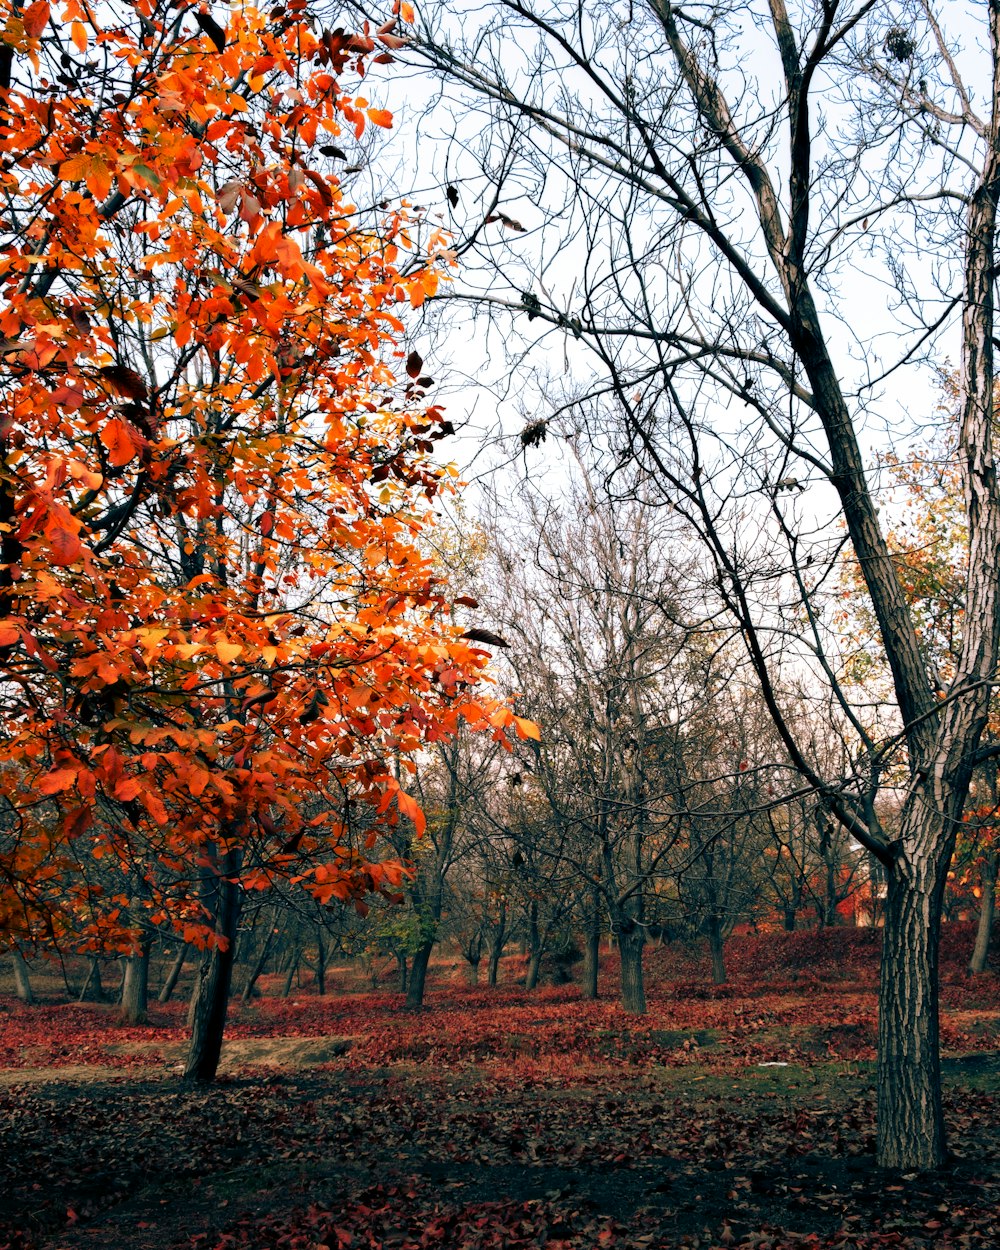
(414, 363)
(125, 381)
(484, 635)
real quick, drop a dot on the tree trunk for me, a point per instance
(474, 971)
(789, 919)
(135, 985)
(170, 984)
(981, 951)
(631, 940)
(911, 1133)
(22, 980)
(93, 990)
(402, 969)
(212, 1001)
(258, 969)
(293, 967)
(418, 976)
(534, 963)
(716, 945)
(493, 964)
(591, 960)
(320, 963)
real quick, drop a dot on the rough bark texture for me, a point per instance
(987, 910)
(911, 1130)
(633, 992)
(212, 999)
(135, 986)
(173, 976)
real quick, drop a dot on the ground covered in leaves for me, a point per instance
(731, 1116)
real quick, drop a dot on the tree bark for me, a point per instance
(716, 946)
(402, 969)
(320, 963)
(987, 909)
(93, 990)
(212, 1001)
(911, 1132)
(591, 961)
(293, 967)
(418, 976)
(631, 941)
(135, 985)
(22, 979)
(789, 919)
(170, 984)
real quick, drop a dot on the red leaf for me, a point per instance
(414, 364)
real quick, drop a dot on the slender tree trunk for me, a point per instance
(631, 940)
(493, 962)
(402, 969)
(534, 965)
(258, 969)
(474, 971)
(93, 990)
(591, 957)
(716, 945)
(170, 984)
(987, 909)
(320, 963)
(789, 919)
(418, 976)
(212, 1000)
(22, 979)
(293, 967)
(135, 985)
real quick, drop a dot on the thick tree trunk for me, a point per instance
(534, 964)
(135, 986)
(911, 1132)
(474, 971)
(22, 980)
(173, 976)
(212, 1001)
(633, 992)
(402, 970)
(987, 909)
(591, 962)
(716, 946)
(789, 919)
(418, 976)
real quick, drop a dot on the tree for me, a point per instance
(217, 627)
(732, 233)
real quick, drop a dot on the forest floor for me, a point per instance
(739, 1115)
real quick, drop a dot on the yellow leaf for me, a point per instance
(227, 651)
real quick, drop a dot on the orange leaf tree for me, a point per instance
(218, 627)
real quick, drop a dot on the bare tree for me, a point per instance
(742, 186)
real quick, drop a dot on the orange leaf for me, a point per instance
(35, 18)
(64, 546)
(115, 437)
(527, 728)
(380, 117)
